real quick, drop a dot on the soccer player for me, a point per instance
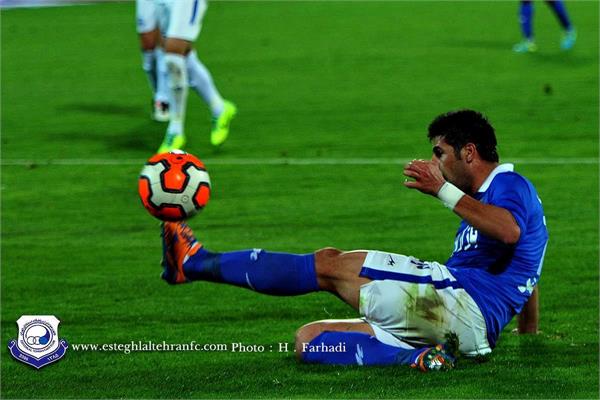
(153, 58)
(408, 306)
(527, 45)
(180, 22)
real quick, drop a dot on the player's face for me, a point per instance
(452, 168)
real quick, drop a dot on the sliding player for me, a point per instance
(179, 23)
(408, 306)
(528, 45)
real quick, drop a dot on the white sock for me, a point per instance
(162, 87)
(149, 67)
(201, 81)
(175, 127)
(178, 89)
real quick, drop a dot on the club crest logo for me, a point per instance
(38, 343)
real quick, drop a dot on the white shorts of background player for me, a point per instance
(180, 19)
(145, 16)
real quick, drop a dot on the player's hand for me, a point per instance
(427, 176)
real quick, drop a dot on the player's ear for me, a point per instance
(469, 152)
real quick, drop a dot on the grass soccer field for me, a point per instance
(332, 97)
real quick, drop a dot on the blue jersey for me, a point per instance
(499, 277)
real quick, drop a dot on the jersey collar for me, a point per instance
(498, 170)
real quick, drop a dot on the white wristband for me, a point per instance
(450, 195)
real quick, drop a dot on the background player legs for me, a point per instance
(184, 68)
(148, 41)
(201, 81)
(560, 11)
(161, 99)
(222, 111)
(154, 67)
(526, 12)
(177, 77)
(558, 8)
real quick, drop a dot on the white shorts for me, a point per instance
(415, 303)
(180, 19)
(145, 15)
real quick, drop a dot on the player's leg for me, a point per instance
(180, 24)
(153, 64)
(200, 79)
(148, 44)
(558, 8)
(570, 34)
(281, 274)
(353, 342)
(526, 23)
(222, 111)
(147, 28)
(161, 98)
(202, 82)
(177, 78)
(185, 22)
(338, 272)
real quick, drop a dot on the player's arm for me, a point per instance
(527, 320)
(494, 222)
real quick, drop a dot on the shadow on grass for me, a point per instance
(480, 44)
(536, 344)
(143, 139)
(549, 55)
(566, 58)
(104, 109)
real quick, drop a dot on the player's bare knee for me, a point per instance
(306, 334)
(177, 46)
(326, 262)
(149, 40)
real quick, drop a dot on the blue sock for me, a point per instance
(355, 348)
(526, 19)
(278, 274)
(558, 6)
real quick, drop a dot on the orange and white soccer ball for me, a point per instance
(174, 186)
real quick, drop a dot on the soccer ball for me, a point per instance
(174, 186)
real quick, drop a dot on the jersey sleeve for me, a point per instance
(511, 191)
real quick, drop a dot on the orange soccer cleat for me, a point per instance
(179, 243)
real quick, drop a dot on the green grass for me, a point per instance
(311, 79)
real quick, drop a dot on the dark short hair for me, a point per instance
(460, 127)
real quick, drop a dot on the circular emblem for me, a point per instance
(37, 335)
